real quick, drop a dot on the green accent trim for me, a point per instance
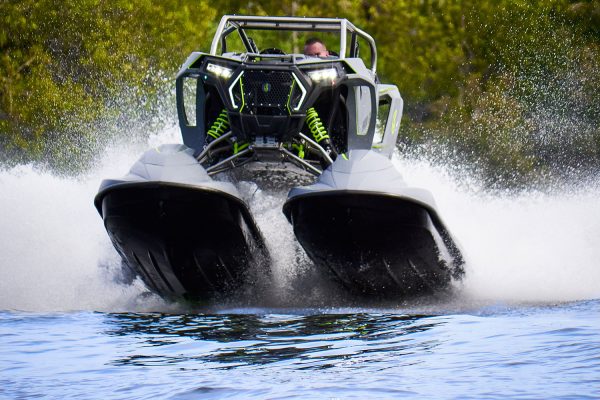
(300, 148)
(290, 97)
(344, 156)
(239, 147)
(377, 146)
(242, 92)
(394, 120)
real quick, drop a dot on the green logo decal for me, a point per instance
(266, 87)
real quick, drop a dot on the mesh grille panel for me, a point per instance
(267, 88)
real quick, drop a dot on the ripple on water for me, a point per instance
(529, 352)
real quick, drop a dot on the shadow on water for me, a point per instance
(238, 340)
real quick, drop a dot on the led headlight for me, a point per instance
(219, 71)
(320, 75)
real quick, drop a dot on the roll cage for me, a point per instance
(239, 24)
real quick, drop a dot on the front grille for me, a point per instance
(266, 92)
(267, 88)
(266, 103)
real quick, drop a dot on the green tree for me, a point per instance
(65, 66)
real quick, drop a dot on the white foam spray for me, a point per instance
(56, 255)
(522, 247)
(295, 282)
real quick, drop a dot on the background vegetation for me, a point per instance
(508, 87)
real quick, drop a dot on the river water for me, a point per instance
(524, 323)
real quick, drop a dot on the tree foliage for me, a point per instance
(510, 85)
(64, 66)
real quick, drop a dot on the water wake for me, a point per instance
(524, 247)
(56, 255)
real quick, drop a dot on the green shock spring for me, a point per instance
(220, 125)
(315, 125)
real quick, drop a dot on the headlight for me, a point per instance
(219, 71)
(320, 75)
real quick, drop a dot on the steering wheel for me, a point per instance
(272, 50)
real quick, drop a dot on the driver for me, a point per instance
(314, 47)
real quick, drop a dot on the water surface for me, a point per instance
(550, 351)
